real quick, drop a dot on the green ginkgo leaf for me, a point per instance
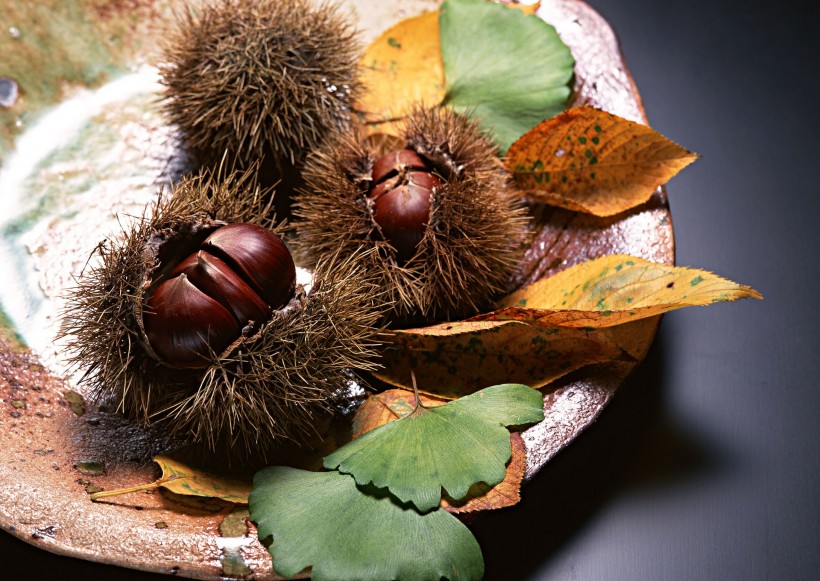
(324, 521)
(452, 446)
(510, 69)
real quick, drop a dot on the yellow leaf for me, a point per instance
(388, 406)
(591, 161)
(614, 290)
(401, 68)
(180, 478)
(451, 360)
(505, 493)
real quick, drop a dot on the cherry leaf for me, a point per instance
(451, 360)
(614, 290)
(591, 161)
(400, 69)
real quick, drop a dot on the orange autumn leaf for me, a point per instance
(401, 68)
(388, 406)
(505, 493)
(588, 160)
(614, 290)
(451, 360)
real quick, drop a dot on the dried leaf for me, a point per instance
(509, 69)
(505, 493)
(614, 290)
(324, 521)
(401, 68)
(592, 161)
(450, 447)
(451, 360)
(388, 406)
(182, 479)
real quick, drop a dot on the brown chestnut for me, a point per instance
(401, 198)
(231, 285)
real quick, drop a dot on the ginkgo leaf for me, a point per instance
(388, 406)
(400, 69)
(616, 289)
(180, 478)
(448, 447)
(506, 493)
(509, 69)
(451, 360)
(324, 521)
(394, 404)
(591, 161)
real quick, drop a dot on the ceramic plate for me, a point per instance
(84, 148)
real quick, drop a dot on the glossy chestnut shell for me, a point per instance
(401, 198)
(226, 288)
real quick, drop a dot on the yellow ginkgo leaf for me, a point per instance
(400, 69)
(591, 161)
(180, 478)
(614, 290)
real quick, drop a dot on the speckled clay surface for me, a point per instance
(45, 483)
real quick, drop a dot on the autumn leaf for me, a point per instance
(506, 493)
(388, 406)
(507, 68)
(614, 290)
(324, 521)
(454, 359)
(180, 478)
(399, 69)
(450, 447)
(591, 161)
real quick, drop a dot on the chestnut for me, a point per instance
(401, 198)
(228, 287)
(191, 319)
(432, 208)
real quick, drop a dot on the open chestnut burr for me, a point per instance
(433, 206)
(193, 319)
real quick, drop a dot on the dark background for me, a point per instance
(707, 464)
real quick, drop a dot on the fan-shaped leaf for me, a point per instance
(505, 493)
(452, 446)
(324, 521)
(509, 68)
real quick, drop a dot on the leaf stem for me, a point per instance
(107, 493)
(151, 486)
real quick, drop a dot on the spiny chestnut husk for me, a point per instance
(193, 320)
(445, 230)
(260, 80)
